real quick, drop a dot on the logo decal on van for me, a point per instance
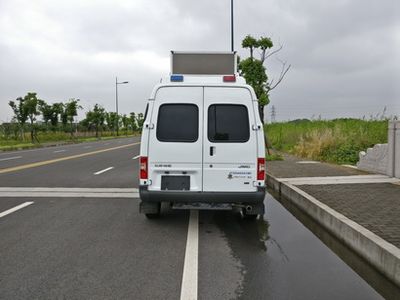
(232, 175)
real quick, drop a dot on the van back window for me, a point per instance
(228, 123)
(178, 123)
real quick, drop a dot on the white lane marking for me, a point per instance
(10, 158)
(11, 210)
(106, 144)
(350, 166)
(136, 157)
(307, 162)
(189, 278)
(102, 171)
(86, 147)
(353, 179)
(66, 190)
(60, 192)
(58, 151)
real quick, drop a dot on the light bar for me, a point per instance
(177, 78)
(229, 78)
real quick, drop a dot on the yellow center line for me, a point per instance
(52, 161)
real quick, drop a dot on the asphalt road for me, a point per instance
(79, 247)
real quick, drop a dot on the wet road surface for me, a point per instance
(102, 248)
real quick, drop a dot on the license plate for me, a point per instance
(175, 183)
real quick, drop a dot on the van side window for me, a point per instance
(228, 123)
(178, 123)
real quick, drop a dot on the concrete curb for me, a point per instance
(378, 252)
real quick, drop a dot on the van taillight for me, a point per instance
(261, 168)
(143, 167)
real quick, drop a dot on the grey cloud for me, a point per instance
(344, 54)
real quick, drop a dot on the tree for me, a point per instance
(57, 110)
(140, 121)
(71, 111)
(31, 107)
(254, 72)
(95, 118)
(111, 118)
(20, 113)
(132, 120)
(47, 111)
(251, 43)
(125, 123)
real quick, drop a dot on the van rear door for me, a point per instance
(175, 139)
(230, 144)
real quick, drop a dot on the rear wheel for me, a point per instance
(151, 210)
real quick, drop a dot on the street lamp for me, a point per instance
(116, 99)
(232, 46)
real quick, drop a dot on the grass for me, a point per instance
(338, 141)
(54, 138)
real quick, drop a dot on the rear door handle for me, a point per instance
(212, 150)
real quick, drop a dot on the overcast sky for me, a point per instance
(345, 54)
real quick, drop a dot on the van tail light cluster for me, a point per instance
(229, 78)
(144, 174)
(261, 168)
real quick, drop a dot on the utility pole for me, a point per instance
(232, 48)
(116, 100)
(273, 114)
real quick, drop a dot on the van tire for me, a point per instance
(152, 216)
(153, 210)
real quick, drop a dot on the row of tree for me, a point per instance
(60, 116)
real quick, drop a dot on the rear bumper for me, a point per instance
(206, 197)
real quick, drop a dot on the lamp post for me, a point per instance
(232, 48)
(116, 99)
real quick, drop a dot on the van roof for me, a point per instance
(203, 80)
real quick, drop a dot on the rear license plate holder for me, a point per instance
(175, 183)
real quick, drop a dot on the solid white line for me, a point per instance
(136, 157)
(67, 195)
(102, 171)
(10, 158)
(189, 278)
(68, 190)
(353, 179)
(307, 162)
(86, 147)
(58, 151)
(11, 210)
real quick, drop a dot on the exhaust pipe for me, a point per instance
(249, 208)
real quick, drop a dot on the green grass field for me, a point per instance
(49, 138)
(338, 141)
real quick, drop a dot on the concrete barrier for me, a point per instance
(378, 252)
(384, 158)
(393, 167)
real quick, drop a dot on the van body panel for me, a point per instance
(175, 158)
(229, 164)
(227, 176)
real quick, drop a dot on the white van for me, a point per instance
(202, 146)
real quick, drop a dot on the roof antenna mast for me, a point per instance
(232, 26)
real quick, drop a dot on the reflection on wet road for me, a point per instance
(279, 258)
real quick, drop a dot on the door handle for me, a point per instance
(212, 150)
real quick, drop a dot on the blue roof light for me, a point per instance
(177, 78)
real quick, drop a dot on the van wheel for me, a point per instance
(248, 216)
(156, 212)
(152, 216)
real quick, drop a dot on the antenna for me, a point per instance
(232, 48)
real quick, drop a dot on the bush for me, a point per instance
(337, 141)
